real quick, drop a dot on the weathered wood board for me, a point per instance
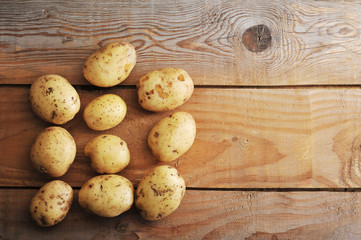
(312, 42)
(202, 215)
(245, 138)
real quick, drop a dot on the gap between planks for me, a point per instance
(224, 189)
(311, 86)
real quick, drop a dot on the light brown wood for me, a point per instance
(201, 215)
(245, 138)
(313, 42)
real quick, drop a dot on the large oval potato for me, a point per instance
(159, 193)
(51, 203)
(108, 153)
(164, 89)
(172, 136)
(110, 65)
(54, 99)
(107, 195)
(105, 112)
(53, 151)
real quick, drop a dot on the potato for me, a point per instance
(108, 153)
(110, 65)
(107, 195)
(172, 136)
(53, 151)
(51, 203)
(159, 193)
(54, 99)
(164, 89)
(105, 112)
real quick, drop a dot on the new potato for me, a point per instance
(54, 99)
(105, 112)
(172, 136)
(53, 151)
(110, 65)
(107, 195)
(51, 203)
(159, 193)
(164, 89)
(108, 153)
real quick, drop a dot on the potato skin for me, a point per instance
(53, 151)
(172, 136)
(51, 203)
(105, 112)
(107, 195)
(108, 153)
(159, 193)
(54, 99)
(110, 65)
(164, 89)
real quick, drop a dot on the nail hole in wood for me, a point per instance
(257, 38)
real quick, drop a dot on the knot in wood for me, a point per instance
(257, 38)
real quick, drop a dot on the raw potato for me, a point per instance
(53, 151)
(51, 203)
(164, 89)
(172, 136)
(108, 153)
(110, 65)
(54, 99)
(105, 112)
(159, 193)
(107, 195)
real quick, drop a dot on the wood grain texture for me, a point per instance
(313, 42)
(201, 215)
(245, 138)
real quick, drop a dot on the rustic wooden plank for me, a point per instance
(201, 215)
(313, 42)
(245, 138)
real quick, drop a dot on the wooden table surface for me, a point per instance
(277, 103)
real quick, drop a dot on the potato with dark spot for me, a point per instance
(53, 151)
(105, 112)
(51, 203)
(108, 153)
(110, 65)
(107, 195)
(54, 99)
(164, 89)
(172, 136)
(159, 193)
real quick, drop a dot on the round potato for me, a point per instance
(54, 99)
(164, 89)
(107, 195)
(159, 193)
(110, 65)
(172, 136)
(53, 151)
(51, 203)
(108, 153)
(105, 112)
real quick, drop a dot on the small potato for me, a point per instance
(107, 195)
(110, 65)
(172, 136)
(108, 153)
(105, 112)
(53, 151)
(159, 193)
(164, 89)
(54, 99)
(51, 203)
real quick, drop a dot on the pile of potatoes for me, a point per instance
(55, 100)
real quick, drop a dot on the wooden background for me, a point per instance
(277, 152)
